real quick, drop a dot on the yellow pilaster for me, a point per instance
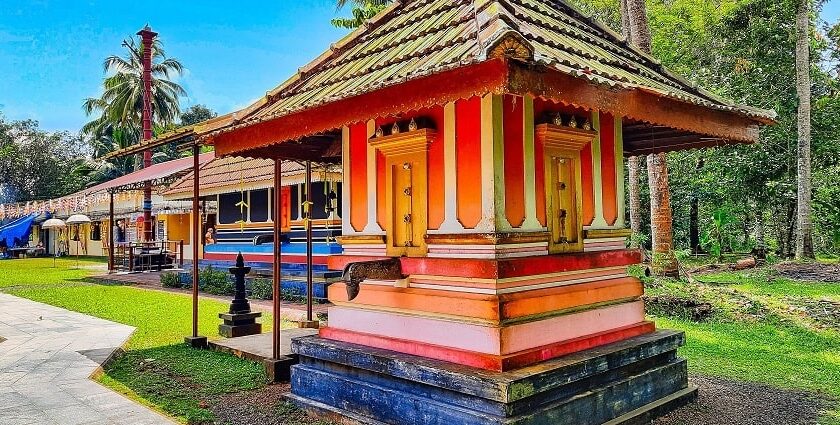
(372, 227)
(597, 175)
(450, 223)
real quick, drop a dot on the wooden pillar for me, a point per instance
(278, 208)
(619, 171)
(195, 340)
(309, 242)
(111, 225)
(492, 162)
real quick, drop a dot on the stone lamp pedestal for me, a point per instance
(240, 320)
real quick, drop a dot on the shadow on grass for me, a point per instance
(182, 381)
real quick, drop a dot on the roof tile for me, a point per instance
(414, 38)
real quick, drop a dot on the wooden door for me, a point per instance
(406, 204)
(563, 200)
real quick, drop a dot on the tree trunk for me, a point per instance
(694, 225)
(633, 164)
(660, 215)
(625, 20)
(760, 244)
(635, 201)
(804, 236)
(660, 202)
(638, 23)
(790, 227)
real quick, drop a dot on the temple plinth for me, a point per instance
(483, 237)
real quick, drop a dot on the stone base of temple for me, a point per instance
(625, 382)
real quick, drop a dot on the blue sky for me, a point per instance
(51, 52)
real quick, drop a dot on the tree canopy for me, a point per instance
(36, 164)
(744, 50)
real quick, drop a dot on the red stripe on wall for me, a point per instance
(381, 208)
(358, 176)
(468, 160)
(608, 178)
(514, 160)
(436, 173)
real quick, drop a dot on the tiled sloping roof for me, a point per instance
(229, 173)
(179, 135)
(415, 38)
(155, 173)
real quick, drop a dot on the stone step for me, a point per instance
(590, 387)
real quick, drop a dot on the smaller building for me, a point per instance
(243, 190)
(171, 218)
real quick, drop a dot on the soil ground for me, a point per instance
(264, 406)
(809, 271)
(720, 402)
(728, 402)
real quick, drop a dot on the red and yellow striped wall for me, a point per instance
(486, 292)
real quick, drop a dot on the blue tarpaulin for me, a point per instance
(17, 232)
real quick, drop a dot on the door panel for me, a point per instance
(406, 204)
(563, 200)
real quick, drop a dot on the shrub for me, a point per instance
(215, 282)
(262, 289)
(292, 295)
(170, 280)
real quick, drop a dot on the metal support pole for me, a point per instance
(195, 340)
(276, 275)
(196, 240)
(111, 224)
(309, 241)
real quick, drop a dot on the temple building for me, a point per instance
(482, 231)
(485, 270)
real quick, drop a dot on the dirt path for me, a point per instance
(818, 272)
(728, 402)
(720, 402)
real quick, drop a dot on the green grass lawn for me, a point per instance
(161, 318)
(753, 335)
(781, 355)
(763, 282)
(40, 271)
(157, 369)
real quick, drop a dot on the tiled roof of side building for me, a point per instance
(233, 173)
(415, 38)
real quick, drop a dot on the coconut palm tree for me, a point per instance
(121, 102)
(362, 10)
(110, 138)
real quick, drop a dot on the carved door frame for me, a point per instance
(560, 141)
(397, 149)
(552, 210)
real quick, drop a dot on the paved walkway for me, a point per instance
(46, 360)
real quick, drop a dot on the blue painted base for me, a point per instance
(630, 380)
(288, 248)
